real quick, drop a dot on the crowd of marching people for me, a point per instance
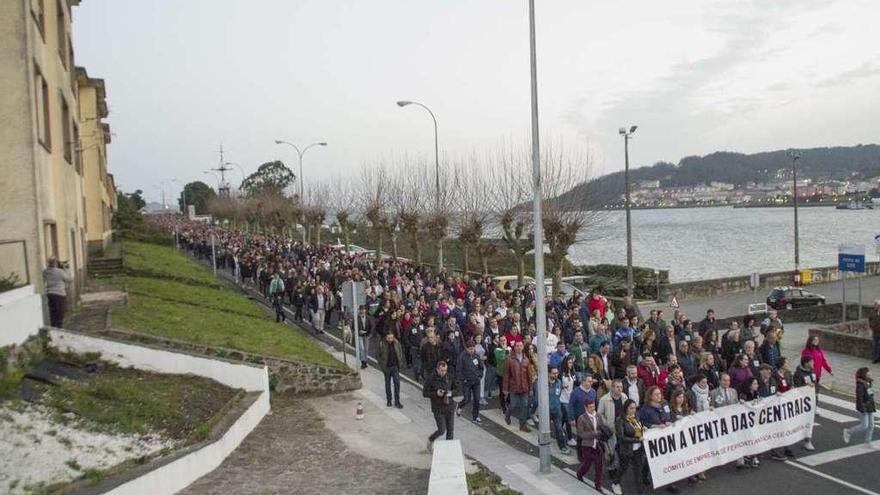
(612, 375)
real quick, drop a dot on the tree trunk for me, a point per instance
(347, 236)
(378, 247)
(557, 276)
(440, 255)
(466, 259)
(394, 246)
(318, 235)
(418, 248)
(521, 274)
(484, 262)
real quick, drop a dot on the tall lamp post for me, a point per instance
(402, 104)
(302, 196)
(627, 135)
(538, 232)
(795, 155)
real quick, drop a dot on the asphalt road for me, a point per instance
(833, 468)
(738, 304)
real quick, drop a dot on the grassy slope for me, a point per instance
(173, 296)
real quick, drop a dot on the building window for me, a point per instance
(50, 238)
(38, 11)
(65, 130)
(77, 150)
(41, 98)
(62, 32)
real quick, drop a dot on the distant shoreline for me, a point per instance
(684, 207)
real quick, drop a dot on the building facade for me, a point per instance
(100, 192)
(42, 191)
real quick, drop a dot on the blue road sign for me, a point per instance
(851, 262)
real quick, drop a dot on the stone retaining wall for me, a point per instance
(285, 375)
(826, 313)
(852, 338)
(731, 285)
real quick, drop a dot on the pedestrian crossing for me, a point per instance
(840, 454)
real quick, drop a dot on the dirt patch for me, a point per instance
(293, 451)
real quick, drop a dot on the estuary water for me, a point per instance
(703, 243)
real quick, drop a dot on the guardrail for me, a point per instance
(13, 265)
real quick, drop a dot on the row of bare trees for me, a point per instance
(485, 202)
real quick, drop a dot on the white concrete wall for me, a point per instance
(182, 472)
(247, 377)
(21, 315)
(447, 469)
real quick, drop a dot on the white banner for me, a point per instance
(714, 438)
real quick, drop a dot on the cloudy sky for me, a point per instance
(184, 76)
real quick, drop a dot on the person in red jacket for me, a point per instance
(517, 385)
(597, 301)
(648, 371)
(813, 350)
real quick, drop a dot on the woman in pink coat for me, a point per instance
(813, 350)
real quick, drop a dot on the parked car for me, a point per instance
(793, 297)
(509, 283)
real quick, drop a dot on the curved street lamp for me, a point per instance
(402, 104)
(301, 153)
(627, 135)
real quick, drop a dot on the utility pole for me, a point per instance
(540, 310)
(627, 135)
(794, 194)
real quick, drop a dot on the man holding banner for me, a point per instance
(714, 438)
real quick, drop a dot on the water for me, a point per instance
(702, 243)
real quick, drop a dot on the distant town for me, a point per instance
(775, 192)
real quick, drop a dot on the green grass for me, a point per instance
(130, 401)
(486, 482)
(208, 326)
(218, 299)
(173, 296)
(166, 263)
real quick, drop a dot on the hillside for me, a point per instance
(860, 161)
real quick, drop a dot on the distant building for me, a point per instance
(649, 184)
(100, 191)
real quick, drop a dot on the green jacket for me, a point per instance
(276, 286)
(580, 353)
(382, 354)
(500, 356)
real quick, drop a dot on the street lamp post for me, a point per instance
(301, 189)
(627, 135)
(538, 231)
(795, 155)
(404, 103)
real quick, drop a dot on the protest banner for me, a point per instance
(713, 438)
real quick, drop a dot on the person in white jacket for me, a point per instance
(610, 408)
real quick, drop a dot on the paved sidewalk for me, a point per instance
(414, 423)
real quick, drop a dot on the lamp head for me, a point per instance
(322, 144)
(278, 141)
(622, 131)
(403, 103)
(633, 129)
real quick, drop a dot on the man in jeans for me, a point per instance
(470, 371)
(390, 356)
(874, 323)
(276, 293)
(438, 387)
(517, 386)
(56, 280)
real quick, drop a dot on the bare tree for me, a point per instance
(436, 221)
(510, 179)
(566, 219)
(374, 195)
(408, 200)
(343, 202)
(472, 196)
(315, 209)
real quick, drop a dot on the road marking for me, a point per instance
(543, 485)
(834, 416)
(379, 402)
(832, 478)
(846, 405)
(838, 454)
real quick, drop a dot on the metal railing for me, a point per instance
(13, 265)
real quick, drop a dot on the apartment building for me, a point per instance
(41, 175)
(94, 136)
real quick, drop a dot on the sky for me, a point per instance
(185, 76)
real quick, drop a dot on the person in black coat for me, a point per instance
(438, 387)
(629, 430)
(470, 370)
